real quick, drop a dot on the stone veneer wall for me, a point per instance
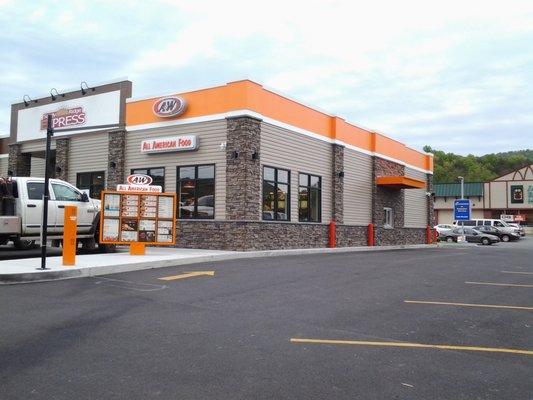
(395, 199)
(117, 156)
(338, 184)
(243, 173)
(62, 158)
(256, 235)
(19, 164)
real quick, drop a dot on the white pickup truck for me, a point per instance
(21, 211)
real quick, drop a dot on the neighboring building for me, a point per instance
(252, 169)
(509, 197)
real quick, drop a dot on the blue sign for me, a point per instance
(461, 210)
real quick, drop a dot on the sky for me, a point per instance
(454, 75)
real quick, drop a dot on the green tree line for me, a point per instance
(448, 166)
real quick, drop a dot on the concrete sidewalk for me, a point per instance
(27, 270)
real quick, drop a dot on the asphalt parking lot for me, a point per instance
(336, 326)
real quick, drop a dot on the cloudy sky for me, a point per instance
(455, 75)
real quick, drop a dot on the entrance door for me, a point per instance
(33, 210)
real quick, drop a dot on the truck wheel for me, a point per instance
(24, 244)
(88, 244)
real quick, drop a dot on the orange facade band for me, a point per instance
(248, 95)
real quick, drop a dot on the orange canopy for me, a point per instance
(400, 182)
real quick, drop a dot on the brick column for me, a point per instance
(386, 197)
(430, 205)
(19, 164)
(62, 157)
(243, 169)
(116, 158)
(337, 212)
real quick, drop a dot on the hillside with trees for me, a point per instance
(448, 166)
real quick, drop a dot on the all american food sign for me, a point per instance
(169, 144)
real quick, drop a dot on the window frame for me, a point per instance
(148, 169)
(78, 184)
(309, 187)
(178, 180)
(388, 218)
(61, 185)
(276, 182)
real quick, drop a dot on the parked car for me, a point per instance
(474, 236)
(520, 228)
(443, 228)
(504, 236)
(22, 208)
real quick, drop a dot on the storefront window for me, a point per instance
(276, 194)
(157, 175)
(309, 198)
(196, 192)
(94, 182)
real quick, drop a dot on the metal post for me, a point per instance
(46, 192)
(462, 179)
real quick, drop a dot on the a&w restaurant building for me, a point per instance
(252, 169)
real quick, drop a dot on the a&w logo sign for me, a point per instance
(139, 179)
(169, 107)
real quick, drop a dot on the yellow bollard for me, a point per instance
(70, 228)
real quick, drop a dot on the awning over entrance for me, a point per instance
(400, 182)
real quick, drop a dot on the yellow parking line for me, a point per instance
(517, 272)
(469, 305)
(413, 345)
(499, 284)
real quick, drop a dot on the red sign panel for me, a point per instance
(139, 179)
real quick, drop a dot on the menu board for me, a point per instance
(138, 217)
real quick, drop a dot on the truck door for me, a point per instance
(33, 209)
(68, 196)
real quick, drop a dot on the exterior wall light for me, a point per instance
(26, 100)
(112, 165)
(341, 174)
(255, 156)
(85, 89)
(234, 155)
(58, 170)
(54, 96)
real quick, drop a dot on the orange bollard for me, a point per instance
(137, 249)
(370, 235)
(70, 225)
(332, 235)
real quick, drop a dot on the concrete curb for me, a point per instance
(6, 279)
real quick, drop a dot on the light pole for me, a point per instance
(462, 186)
(462, 179)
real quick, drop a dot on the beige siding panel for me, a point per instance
(36, 145)
(415, 212)
(283, 148)
(4, 165)
(87, 153)
(210, 135)
(37, 167)
(498, 194)
(357, 188)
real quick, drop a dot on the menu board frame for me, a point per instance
(130, 222)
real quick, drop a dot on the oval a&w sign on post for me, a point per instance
(139, 179)
(169, 107)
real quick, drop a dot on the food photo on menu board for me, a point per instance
(165, 207)
(128, 230)
(146, 230)
(111, 205)
(110, 230)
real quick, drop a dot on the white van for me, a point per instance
(497, 223)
